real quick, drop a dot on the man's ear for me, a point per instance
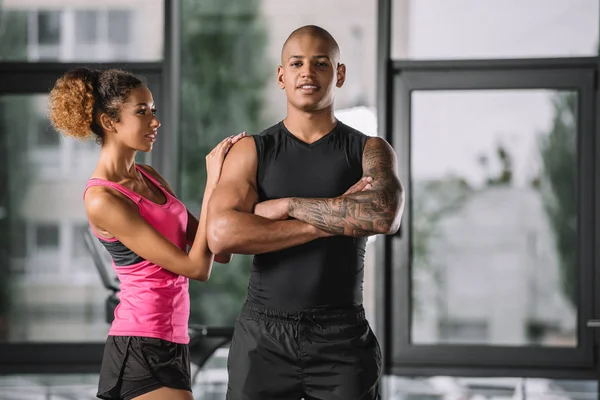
(280, 80)
(341, 75)
(107, 123)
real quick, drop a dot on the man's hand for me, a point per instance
(366, 213)
(273, 209)
(279, 208)
(365, 183)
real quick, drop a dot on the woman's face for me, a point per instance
(138, 126)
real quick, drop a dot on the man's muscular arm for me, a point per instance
(375, 211)
(232, 227)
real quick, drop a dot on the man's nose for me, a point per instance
(307, 69)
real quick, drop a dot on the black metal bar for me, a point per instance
(17, 78)
(595, 266)
(165, 157)
(211, 331)
(565, 79)
(585, 189)
(383, 291)
(36, 358)
(504, 64)
(10, 67)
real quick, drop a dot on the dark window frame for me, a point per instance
(568, 77)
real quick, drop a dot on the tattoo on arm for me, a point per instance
(364, 213)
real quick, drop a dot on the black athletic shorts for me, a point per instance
(133, 365)
(314, 354)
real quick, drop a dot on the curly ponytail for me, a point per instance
(79, 97)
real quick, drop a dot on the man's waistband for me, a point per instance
(325, 316)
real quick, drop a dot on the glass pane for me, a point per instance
(230, 53)
(119, 27)
(494, 217)
(446, 387)
(86, 27)
(48, 32)
(474, 29)
(81, 31)
(49, 288)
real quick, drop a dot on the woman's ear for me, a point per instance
(107, 123)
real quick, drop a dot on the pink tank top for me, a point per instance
(154, 302)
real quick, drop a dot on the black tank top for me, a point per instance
(327, 272)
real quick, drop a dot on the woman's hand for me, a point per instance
(214, 159)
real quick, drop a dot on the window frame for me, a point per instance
(401, 356)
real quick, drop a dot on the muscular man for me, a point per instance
(303, 196)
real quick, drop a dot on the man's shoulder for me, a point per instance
(271, 131)
(267, 139)
(352, 132)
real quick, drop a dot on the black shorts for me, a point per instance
(324, 355)
(133, 365)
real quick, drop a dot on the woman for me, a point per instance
(146, 229)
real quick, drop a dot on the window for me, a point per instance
(102, 33)
(79, 249)
(18, 244)
(45, 34)
(495, 214)
(54, 295)
(463, 331)
(52, 303)
(48, 27)
(97, 27)
(473, 29)
(119, 27)
(45, 135)
(86, 27)
(125, 32)
(493, 269)
(47, 237)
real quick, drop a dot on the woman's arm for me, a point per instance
(119, 216)
(193, 223)
(112, 213)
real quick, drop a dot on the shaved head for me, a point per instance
(310, 69)
(316, 32)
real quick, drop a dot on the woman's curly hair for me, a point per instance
(80, 96)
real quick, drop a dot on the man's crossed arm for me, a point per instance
(376, 209)
(373, 205)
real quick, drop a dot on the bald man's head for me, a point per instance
(310, 69)
(315, 32)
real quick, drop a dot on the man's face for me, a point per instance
(310, 72)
